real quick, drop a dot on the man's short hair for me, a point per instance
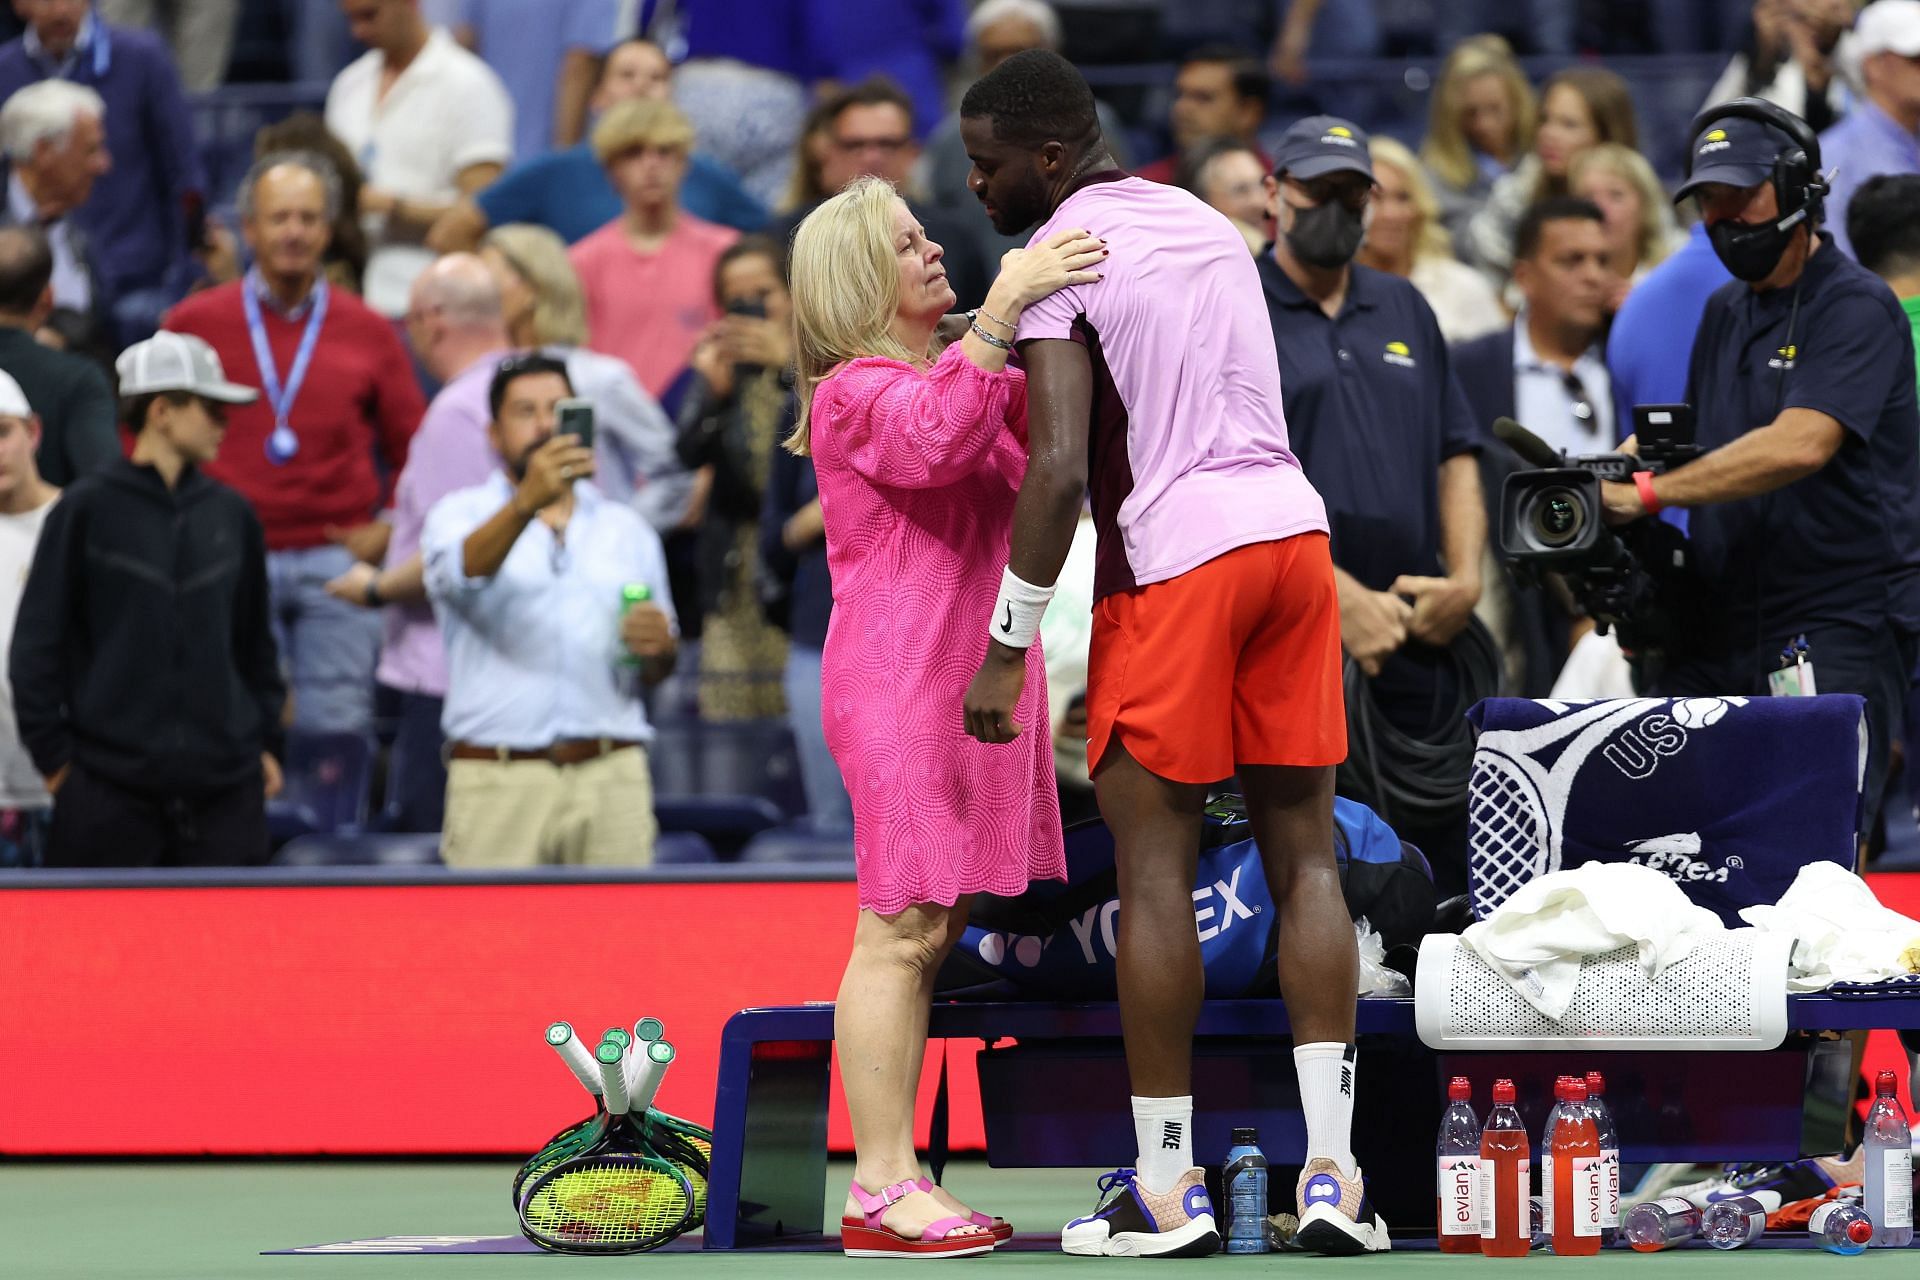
(1192, 167)
(1033, 98)
(26, 268)
(521, 366)
(312, 161)
(1250, 79)
(1533, 223)
(133, 409)
(641, 122)
(1883, 222)
(606, 59)
(874, 91)
(45, 112)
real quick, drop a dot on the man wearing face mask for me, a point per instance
(1806, 514)
(1385, 434)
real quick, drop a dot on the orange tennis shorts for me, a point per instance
(1235, 662)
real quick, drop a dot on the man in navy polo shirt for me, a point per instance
(1384, 433)
(1806, 510)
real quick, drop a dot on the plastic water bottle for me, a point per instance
(1889, 1161)
(1661, 1224)
(1728, 1224)
(1546, 1155)
(1245, 1179)
(1578, 1182)
(1609, 1136)
(1457, 1184)
(1505, 1168)
(1840, 1226)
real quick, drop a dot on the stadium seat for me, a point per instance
(725, 822)
(381, 849)
(798, 844)
(328, 779)
(682, 849)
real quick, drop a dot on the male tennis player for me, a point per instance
(1216, 645)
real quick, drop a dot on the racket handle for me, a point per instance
(653, 1068)
(613, 1078)
(577, 1056)
(648, 1029)
(630, 1066)
(619, 1035)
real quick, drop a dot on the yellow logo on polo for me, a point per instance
(1785, 357)
(1401, 354)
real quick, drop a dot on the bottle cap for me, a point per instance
(1860, 1231)
(1563, 1088)
(1596, 1085)
(1459, 1089)
(1503, 1093)
(1883, 1084)
(1247, 1137)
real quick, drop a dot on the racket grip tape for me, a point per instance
(577, 1056)
(653, 1068)
(613, 1078)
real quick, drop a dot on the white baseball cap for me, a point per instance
(13, 401)
(1888, 26)
(178, 362)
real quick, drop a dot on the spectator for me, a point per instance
(76, 434)
(739, 410)
(1640, 226)
(1791, 57)
(1547, 371)
(1227, 175)
(346, 256)
(1406, 239)
(1652, 335)
(25, 499)
(648, 274)
(199, 33)
(548, 55)
(145, 679)
(1548, 26)
(547, 730)
(1385, 436)
(743, 83)
(54, 137)
(1882, 132)
(569, 193)
(1883, 221)
(141, 211)
(340, 406)
(1581, 108)
(1219, 92)
(455, 325)
(1348, 30)
(431, 123)
(1479, 127)
(910, 44)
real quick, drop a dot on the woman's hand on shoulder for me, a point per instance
(1063, 259)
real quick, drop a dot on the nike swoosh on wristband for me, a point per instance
(1007, 626)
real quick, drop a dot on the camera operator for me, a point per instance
(1807, 503)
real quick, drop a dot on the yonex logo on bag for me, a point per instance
(1231, 908)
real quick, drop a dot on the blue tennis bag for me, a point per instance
(1059, 941)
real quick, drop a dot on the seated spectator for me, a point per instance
(73, 405)
(1226, 173)
(1881, 134)
(1219, 92)
(346, 256)
(316, 454)
(432, 123)
(1480, 124)
(1791, 56)
(568, 192)
(26, 810)
(547, 53)
(544, 718)
(1580, 108)
(1883, 221)
(1406, 239)
(739, 411)
(1641, 231)
(145, 678)
(139, 213)
(647, 275)
(199, 34)
(54, 136)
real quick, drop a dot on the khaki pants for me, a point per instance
(529, 813)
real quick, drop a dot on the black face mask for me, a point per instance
(1751, 250)
(1326, 236)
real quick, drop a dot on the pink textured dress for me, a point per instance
(918, 473)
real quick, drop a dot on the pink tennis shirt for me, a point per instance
(1188, 454)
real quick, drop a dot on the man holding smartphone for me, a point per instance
(547, 734)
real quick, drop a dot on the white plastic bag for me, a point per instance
(1376, 979)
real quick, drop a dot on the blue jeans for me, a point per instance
(829, 810)
(327, 647)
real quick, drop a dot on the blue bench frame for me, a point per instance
(770, 1108)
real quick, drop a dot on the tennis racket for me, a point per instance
(575, 1137)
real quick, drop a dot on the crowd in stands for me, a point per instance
(289, 487)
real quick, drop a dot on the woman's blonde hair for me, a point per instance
(1446, 149)
(1654, 240)
(845, 289)
(539, 257)
(1430, 240)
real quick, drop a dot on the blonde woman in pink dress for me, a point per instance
(919, 454)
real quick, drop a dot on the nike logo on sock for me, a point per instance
(1170, 1135)
(1346, 1081)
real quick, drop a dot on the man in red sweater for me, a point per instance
(317, 453)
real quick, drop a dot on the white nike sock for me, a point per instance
(1164, 1128)
(1326, 1096)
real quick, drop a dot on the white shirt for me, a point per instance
(72, 286)
(445, 112)
(533, 653)
(20, 784)
(1463, 302)
(1544, 403)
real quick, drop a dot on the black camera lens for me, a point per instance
(1557, 516)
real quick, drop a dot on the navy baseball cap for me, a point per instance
(1736, 151)
(1320, 145)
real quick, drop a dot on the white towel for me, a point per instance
(1841, 932)
(1538, 938)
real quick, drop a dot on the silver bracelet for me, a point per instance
(988, 338)
(1004, 324)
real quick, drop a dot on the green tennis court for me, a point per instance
(211, 1220)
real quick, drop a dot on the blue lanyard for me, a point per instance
(283, 443)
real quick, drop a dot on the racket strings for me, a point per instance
(608, 1204)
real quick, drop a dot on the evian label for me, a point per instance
(1610, 1207)
(1490, 1197)
(1459, 1190)
(1589, 1194)
(1899, 1184)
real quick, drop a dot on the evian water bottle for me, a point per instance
(1889, 1161)
(1505, 1167)
(1457, 1188)
(1609, 1156)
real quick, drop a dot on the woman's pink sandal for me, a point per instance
(868, 1237)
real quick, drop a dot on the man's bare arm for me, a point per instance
(1059, 401)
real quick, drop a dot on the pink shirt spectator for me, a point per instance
(1189, 455)
(918, 473)
(650, 308)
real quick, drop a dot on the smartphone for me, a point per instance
(575, 418)
(755, 307)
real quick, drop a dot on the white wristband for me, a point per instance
(1017, 611)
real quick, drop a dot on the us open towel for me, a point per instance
(1729, 797)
